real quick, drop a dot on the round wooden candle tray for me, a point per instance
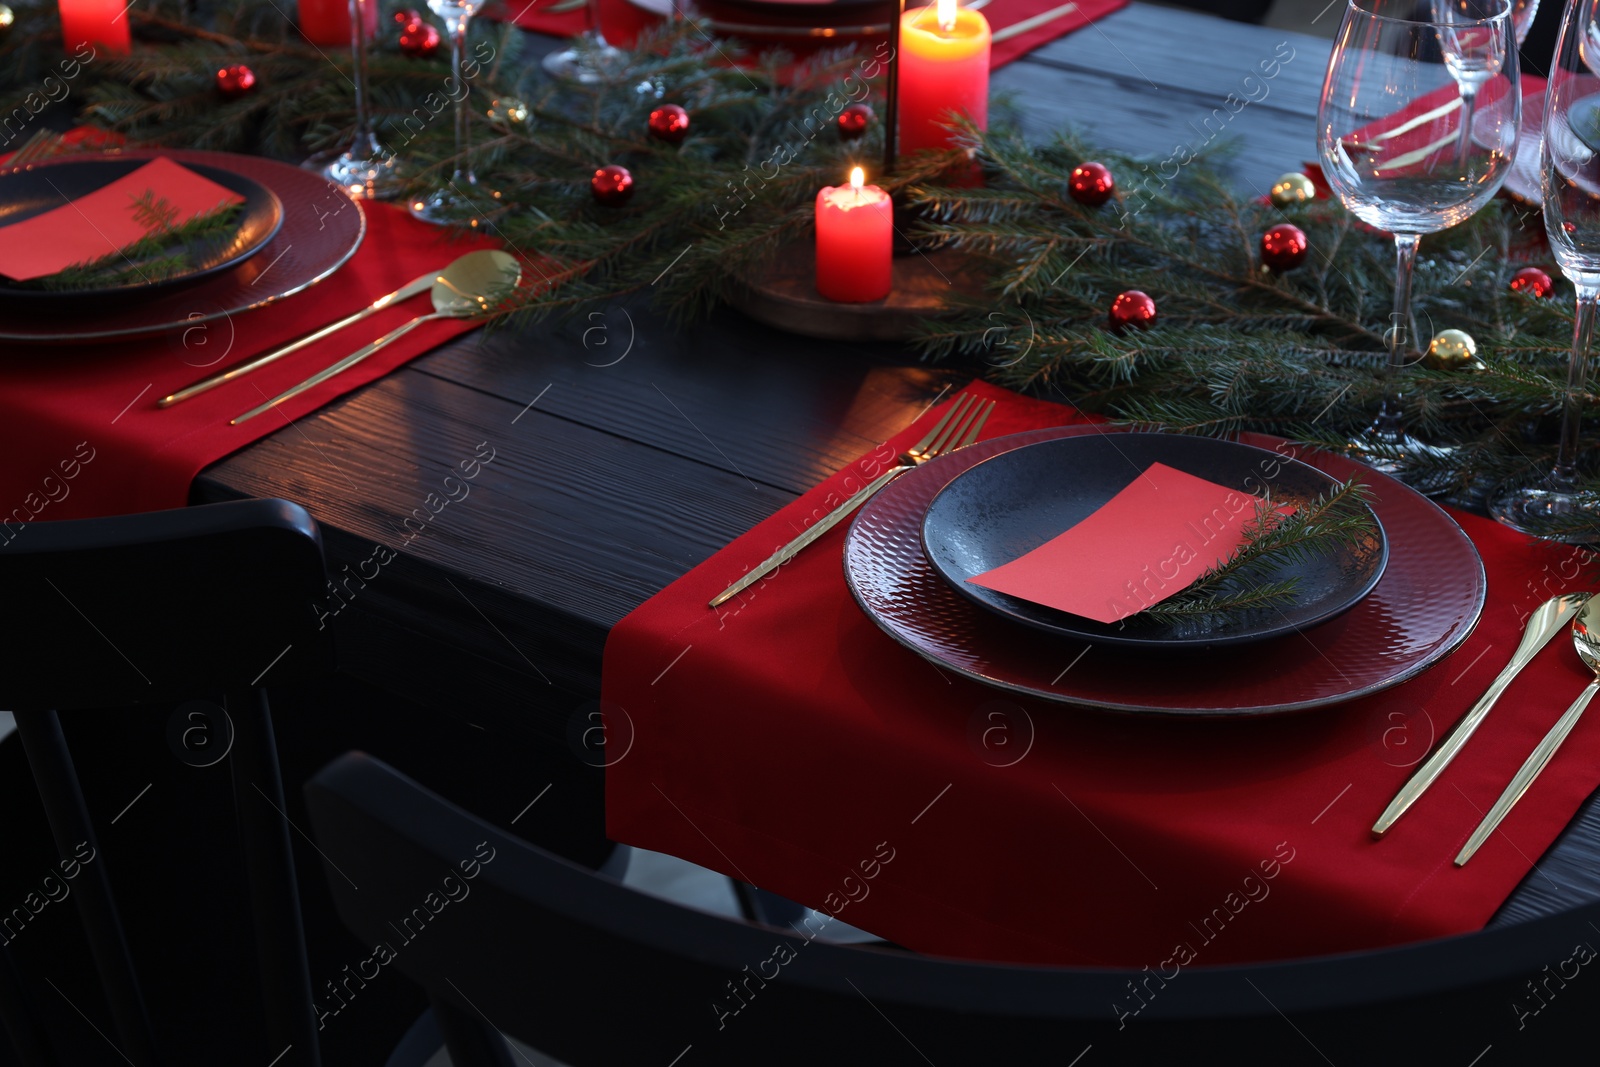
(785, 297)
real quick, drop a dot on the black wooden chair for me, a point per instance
(207, 602)
(591, 972)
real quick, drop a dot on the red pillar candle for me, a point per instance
(101, 24)
(944, 67)
(855, 241)
(327, 22)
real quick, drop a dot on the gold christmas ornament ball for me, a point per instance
(1453, 350)
(1291, 189)
(7, 18)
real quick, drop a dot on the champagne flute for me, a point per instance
(1389, 139)
(364, 170)
(1570, 182)
(448, 204)
(590, 64)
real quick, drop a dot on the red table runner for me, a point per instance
(788, 742)
(622, 22)
(92, 408)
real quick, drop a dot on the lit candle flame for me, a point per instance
(947, 15)
(858, 178)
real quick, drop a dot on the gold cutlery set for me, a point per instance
(1542, 626)
(468, 287)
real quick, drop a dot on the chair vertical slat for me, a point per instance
(27, 1039)
(62, 796)
(274, 896)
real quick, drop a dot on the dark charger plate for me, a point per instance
(1425, 604)
(33, 190)
(1011, 504)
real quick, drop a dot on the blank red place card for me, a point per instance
(105, 221)
(1147, 543)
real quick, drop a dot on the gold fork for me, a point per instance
(958, 428)
(42, 145)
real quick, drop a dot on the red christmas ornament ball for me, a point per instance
(419, 39)
(611, 185)
(669, 123)
(235, 81)
(1132, 308)
(1533, 281)
(853, 121)
(1284, 247)
(1091, 184)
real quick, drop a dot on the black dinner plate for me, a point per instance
(1011, 504)
(33, 190)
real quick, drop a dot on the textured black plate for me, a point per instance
(33, 190)
(1011, 504)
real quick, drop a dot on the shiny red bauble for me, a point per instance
(669, 123)
(419, 38)
(1284, 247)
(1533, 281)
(235, 81)
(1091, 184)
(853, 121)
(611, 185)
(1132, 308)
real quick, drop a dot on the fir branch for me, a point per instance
(1247, 580)
(167, 249)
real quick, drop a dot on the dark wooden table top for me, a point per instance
(626, 452)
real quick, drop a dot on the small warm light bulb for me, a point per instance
(947, 15)
(858, 178)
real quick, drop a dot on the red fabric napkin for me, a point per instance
(622, 22)
(785, 740)
(91, 409)
(105, 221)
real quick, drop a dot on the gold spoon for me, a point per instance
(469, 286)
(1587, 641)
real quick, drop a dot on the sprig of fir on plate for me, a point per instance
(1248, 579)
(168, 248)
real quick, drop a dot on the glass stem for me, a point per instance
(457, 28)
(1565, 475)
(1389, 427)
(364, 145)
(1469, 103)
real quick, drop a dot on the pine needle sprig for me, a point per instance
(167, 249)
(1250, 578)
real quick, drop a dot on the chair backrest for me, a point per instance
(593, 972)
(161, 606)
(157, 608)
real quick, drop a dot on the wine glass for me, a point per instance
(1390, 141)
(1466, 63)
(446, 205)
(1570, 182)
(590, 64)
(364, 170)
